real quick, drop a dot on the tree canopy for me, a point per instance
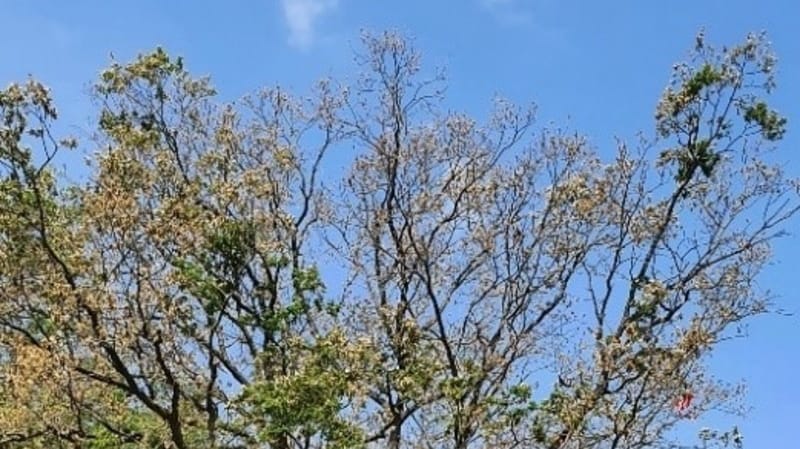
(215, 283)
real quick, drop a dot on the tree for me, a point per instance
(502, 287)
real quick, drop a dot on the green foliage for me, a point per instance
(704, 133)
(516, 404)
(707, 76)
(152, 67)
(771, 124)
(308, 401)
(230, 248)
(200, 284)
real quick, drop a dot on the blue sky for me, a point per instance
(594, 66)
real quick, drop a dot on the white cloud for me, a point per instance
(508, 11)
(301, 18)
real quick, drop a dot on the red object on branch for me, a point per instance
(683, 402)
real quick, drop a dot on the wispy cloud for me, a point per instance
(497, 3)
(508, 11)
(301, 18)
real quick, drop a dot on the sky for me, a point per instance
(597, 67)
